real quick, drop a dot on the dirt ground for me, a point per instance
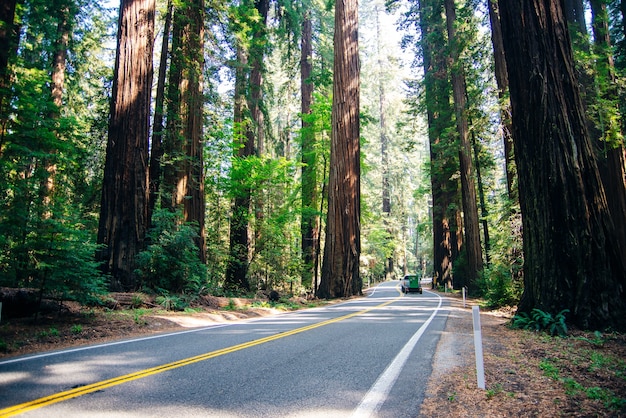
(527, 374)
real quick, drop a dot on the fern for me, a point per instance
(539, 320)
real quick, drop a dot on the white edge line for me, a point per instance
(377, 394)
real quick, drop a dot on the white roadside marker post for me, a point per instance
(478, 348)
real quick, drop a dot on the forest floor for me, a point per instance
(527, 374)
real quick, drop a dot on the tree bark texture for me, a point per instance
(571, 258)
(340, 267)
(471, 223)
(444, 165)
(184, 175)
(123, 213)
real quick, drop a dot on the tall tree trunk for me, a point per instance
(384, 145)
(123, 213)
(57, 87)
(237, 269)
(340, 267)
(183, 175)
(612, 162)
(570, 252)
(502, 80)
(481, 198)
(468, 189)
(256, 131)
(156, 150)
(310, 219)
(8, 48)
(444, 183)
(248, 120)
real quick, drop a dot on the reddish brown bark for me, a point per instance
(123, 213)
(340, 267)
(571, 260)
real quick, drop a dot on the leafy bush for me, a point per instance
(171, 303)
(539, 320)
(497, 286)
(171, 262)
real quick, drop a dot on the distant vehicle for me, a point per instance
(411, 283)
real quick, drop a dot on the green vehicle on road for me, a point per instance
(411, 283)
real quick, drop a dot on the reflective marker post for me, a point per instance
(478, 348)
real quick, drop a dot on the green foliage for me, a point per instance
(498, 288)
(549, 369)
(539, 320)
(597, 340)
(172, 302)
(171, 261)
(51, 332)
(76, 329)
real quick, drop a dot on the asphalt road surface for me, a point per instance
(369, 356)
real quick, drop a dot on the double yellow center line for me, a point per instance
(93, 387)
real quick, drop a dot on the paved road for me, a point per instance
(367, 357)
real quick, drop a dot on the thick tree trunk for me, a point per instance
(123, 213)
(468, 189)
(183, 174)
(310, 225)
(445, 186)
(570, 253)
(340, 267)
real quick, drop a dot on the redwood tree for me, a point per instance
(123, 212)
(310, 224)
(444, 163)
(8, 48)
(571, 255)
(473, 251)
(340, 267)
(183, 179)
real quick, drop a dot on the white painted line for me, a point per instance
(377, 394)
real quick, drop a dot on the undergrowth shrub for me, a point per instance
(171, 262)
(539, 320)
(498, 288)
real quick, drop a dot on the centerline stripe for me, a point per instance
(93, 387)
